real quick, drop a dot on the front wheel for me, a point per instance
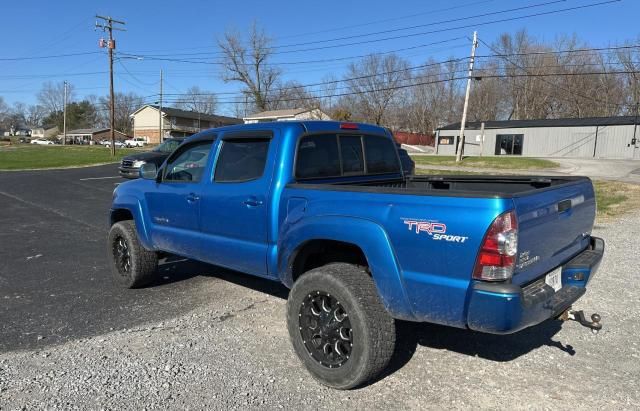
(132, 265)
(338, 327)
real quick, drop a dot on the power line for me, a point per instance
(323, 83)
(352, 26)
(531, 6)
(556, 85)
(473, 25)
(329, 60)
(404, 86)
(53, 56)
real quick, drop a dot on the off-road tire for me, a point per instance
(373, 329)
(142, 262)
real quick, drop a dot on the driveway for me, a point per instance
(601, 169)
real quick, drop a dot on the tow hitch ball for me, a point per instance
(580, 317)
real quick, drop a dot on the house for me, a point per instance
(87, 135)
(175, 122)
(594, 137)
(287, 115)
(40, 132)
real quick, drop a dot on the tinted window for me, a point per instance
(318, 157)
(189, 164)
(241, 160)
(351, 151)
(381, 155)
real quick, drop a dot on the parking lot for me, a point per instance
(205, 337)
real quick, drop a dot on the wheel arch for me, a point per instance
(348, 239)
(131, 209)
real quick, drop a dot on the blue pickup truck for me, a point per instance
(325, 208)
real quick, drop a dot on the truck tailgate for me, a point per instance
(554, 225)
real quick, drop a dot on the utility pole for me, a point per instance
(160, 131)
(107, 25)
(466, 98)
(481, 138)
(635, 127)
(64, 115)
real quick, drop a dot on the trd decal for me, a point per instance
(426, 226)
(436, 230)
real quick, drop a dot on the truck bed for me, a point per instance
(451, 185)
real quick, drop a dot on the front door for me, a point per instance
(174, 203)
(235, 204)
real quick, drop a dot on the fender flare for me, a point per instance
(134, 206)
(369, 236)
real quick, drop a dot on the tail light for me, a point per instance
(497, 256)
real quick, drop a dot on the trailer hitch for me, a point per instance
(579, 316)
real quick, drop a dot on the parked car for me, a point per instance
(42, 141)
(408, 165)
(324, 208)
(135, 142)
(118, 144)
(130, 165)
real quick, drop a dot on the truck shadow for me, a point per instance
(174, 269)
(500, 348)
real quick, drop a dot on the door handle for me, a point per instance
(192, 198)
(252, 202)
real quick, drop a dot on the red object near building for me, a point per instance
(414, 139)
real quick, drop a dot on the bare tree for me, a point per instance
(51, 96)
(125, 105)
(198, 100)
(292, 95)
(374, 83)
(629, 59)
(249, 64)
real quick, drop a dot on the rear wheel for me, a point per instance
(132, 265)
(339, 328)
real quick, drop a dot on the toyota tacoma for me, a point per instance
(324, 208)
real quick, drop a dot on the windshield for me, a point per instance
(167, 146)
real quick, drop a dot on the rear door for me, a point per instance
(235, 203)
(554, 225)
(174, 203)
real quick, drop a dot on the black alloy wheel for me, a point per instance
(325, 329)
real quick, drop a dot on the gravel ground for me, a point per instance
(233, 352)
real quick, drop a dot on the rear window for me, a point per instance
(319, 156)
(352, 158)
(381, 155)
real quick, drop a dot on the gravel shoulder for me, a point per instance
(233, 352)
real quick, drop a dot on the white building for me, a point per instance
(595, 137)
(287, 115)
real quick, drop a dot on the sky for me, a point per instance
(190, 29)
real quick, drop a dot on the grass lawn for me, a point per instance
(500, 162)
(614, 198)
(23, 157)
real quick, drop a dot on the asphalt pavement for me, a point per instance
(55, 282)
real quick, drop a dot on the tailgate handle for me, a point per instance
(564, 205)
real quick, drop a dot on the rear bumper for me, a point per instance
(128, 172)
(499, 308)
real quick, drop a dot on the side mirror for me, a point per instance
(149, 171)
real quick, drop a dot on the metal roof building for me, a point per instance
(594, 137)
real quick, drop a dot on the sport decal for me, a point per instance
(436, 230)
